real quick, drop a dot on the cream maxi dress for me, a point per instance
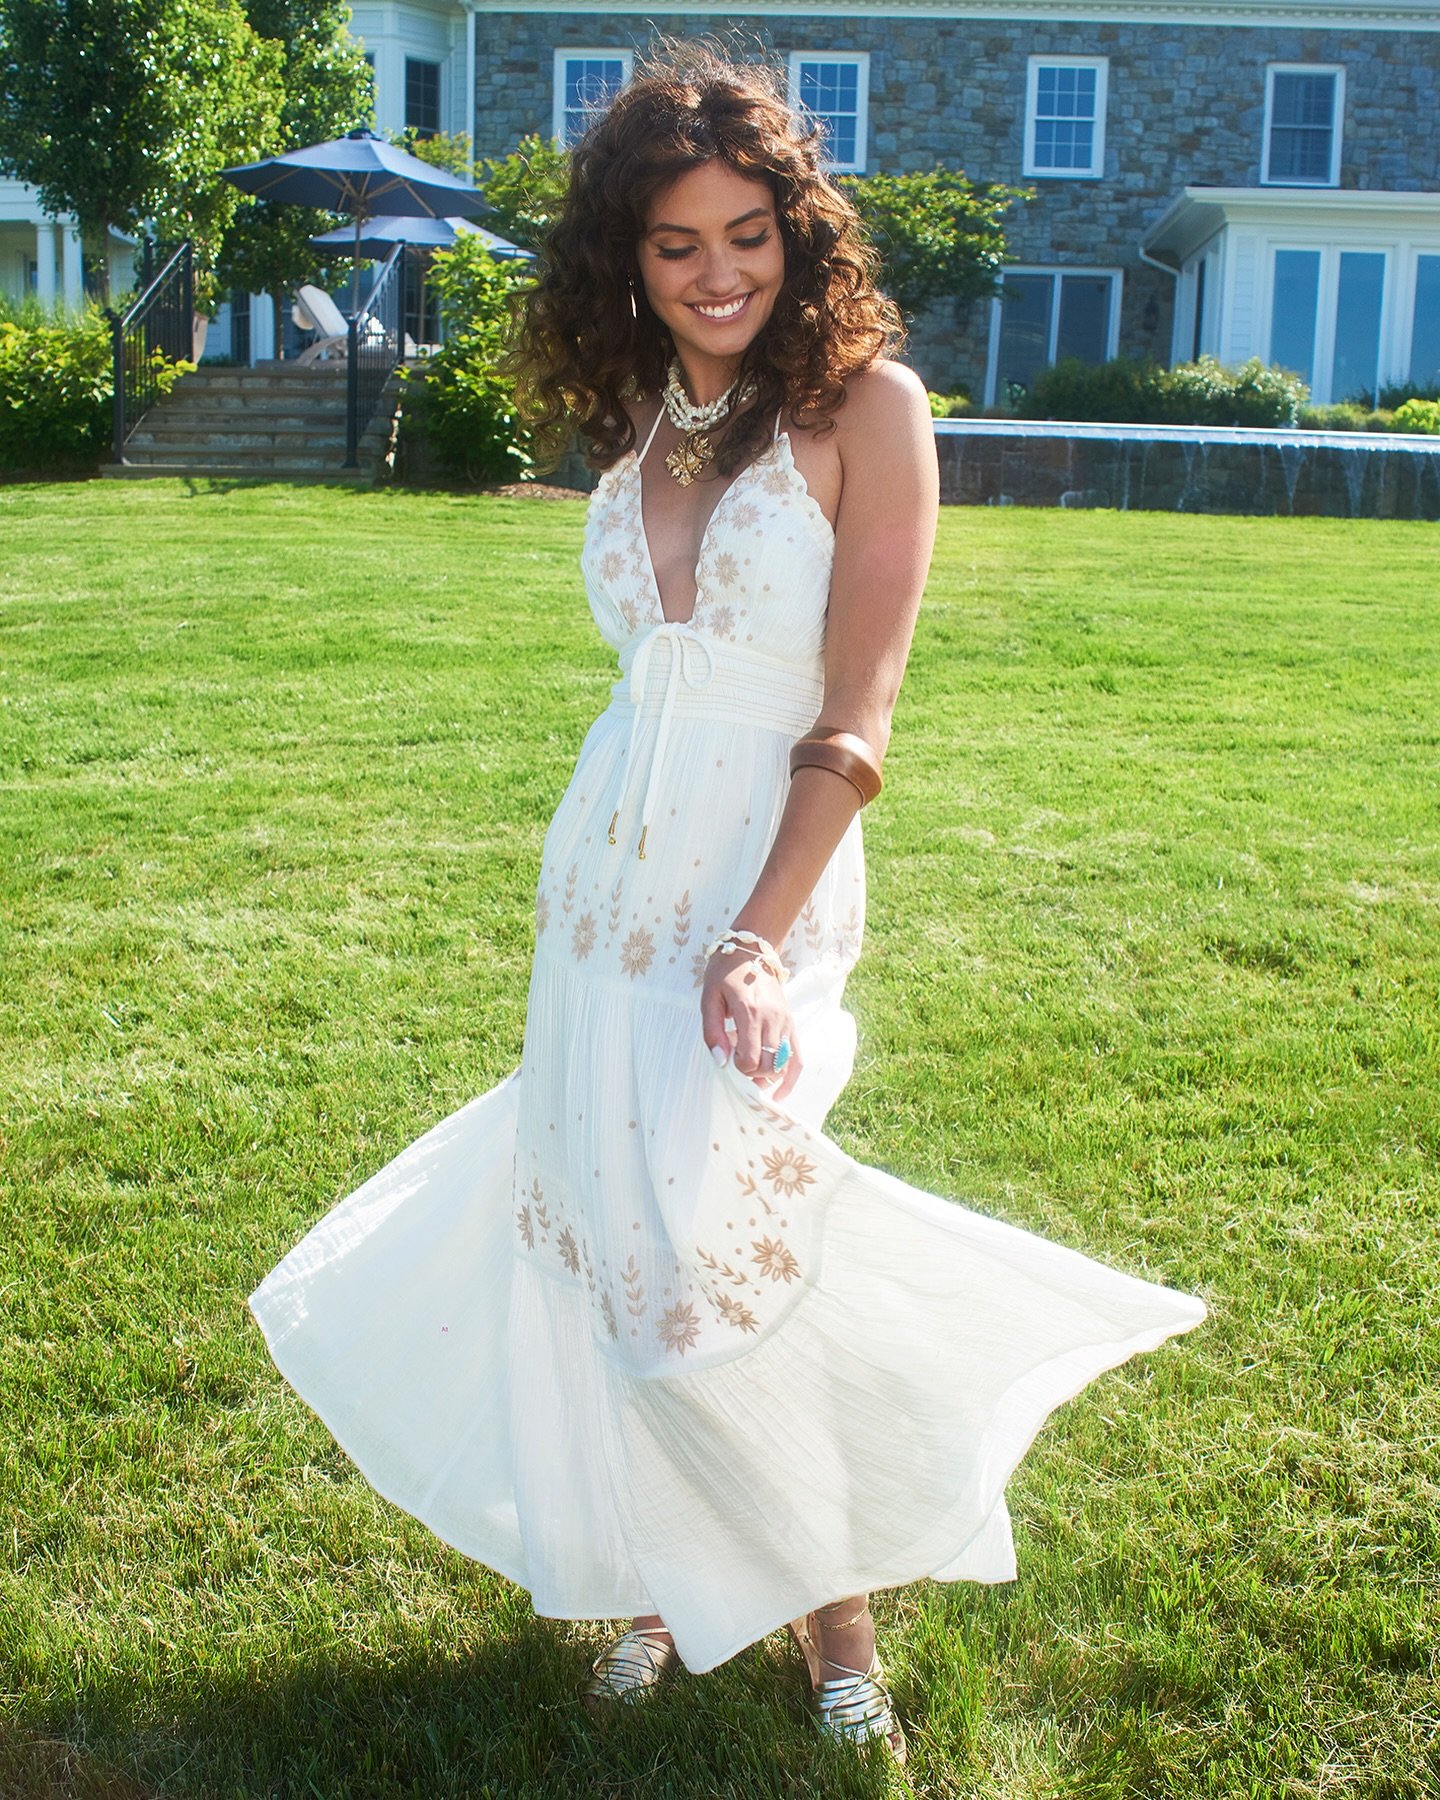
(624, 1328)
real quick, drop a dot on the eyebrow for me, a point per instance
(757, 212)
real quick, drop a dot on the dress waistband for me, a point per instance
(704, 677)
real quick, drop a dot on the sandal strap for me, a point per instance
(637, 1659)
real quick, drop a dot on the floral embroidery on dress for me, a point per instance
(735, 1312)
(722, 622)
(542, 912)
(582, 937)
(607, 1312)
(788, 1172)
(681, 933)
(526, 1227)
(569, 1250)
(637, 952)
(679, 1326)
(725, 569)
(773, 1259)
(635, 1301)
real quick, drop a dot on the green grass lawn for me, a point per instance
(1152, 967)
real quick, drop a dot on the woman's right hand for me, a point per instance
(740, 993)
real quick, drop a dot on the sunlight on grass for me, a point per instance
(1151, 967)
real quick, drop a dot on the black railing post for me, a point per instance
(352, 395)
(117, 410)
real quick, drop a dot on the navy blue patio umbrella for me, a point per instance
(362, 175)
(383, 233)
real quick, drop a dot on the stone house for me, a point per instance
(1238, 177)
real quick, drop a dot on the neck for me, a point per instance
(706, 380)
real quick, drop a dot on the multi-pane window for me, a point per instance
(422, 97)
(832, 86)
(1303, 110)
(1065, 115)
(586, 81)
(1043, 315)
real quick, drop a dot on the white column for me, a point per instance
(262, 328)
(74, 276)
(45, 264)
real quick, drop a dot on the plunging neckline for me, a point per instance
(715, 511)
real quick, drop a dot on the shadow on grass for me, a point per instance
(507, 1722)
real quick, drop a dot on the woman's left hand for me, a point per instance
(739, 988)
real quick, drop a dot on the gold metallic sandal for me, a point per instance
(631, 1668)
(855, 1705)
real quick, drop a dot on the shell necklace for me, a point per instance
(695, 451)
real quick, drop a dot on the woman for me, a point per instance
(629, 1328)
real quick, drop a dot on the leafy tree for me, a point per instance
(526, 188)
(328, 91)
(939, 233)
(124, 111)
(447, 150)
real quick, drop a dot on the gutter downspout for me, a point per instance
(1174, 274)
(469, 6)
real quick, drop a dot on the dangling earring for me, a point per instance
(634, 310)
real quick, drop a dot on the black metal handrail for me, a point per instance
(162, 318)
(376, 347)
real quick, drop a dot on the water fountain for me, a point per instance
(1189, 468)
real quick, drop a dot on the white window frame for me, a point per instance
(569, 53)
(1399, 274)
(861, 60)
(1101, 66)
(1337, 122)
(1058, 270)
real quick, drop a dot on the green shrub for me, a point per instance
(470, 418)
(1392, 398)
(1126, 391)
(951, 406)
(57, 390)
(1418, 415)
(1346, 415)
(55, 393)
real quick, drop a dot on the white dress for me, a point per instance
(624, 1328)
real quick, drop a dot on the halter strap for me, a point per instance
(775, 435)
(650, 440)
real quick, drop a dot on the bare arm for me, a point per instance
(884, 536)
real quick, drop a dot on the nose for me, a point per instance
(717, 270)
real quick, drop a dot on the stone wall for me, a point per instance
(1186, 106)
(1182, 469)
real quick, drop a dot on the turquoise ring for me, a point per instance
(782, 1055)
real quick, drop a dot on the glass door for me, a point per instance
(1327, 310)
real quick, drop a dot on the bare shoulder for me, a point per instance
(886, 414)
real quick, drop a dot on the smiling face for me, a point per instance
(713, 265)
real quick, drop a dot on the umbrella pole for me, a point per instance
(355, 272)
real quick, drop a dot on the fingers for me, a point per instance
(712, 1023)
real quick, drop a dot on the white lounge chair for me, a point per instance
(314, 310)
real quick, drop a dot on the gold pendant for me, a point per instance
(689, 457)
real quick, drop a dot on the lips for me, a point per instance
(724, 311)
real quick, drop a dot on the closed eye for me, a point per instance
(683, 250)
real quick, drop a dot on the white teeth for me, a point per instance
(722, 312)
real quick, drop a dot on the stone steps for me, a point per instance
(275, 422)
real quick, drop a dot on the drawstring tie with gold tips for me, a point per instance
(684, 645)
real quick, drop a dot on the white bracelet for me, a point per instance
(729, 942)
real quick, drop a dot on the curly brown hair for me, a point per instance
(586, 340)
